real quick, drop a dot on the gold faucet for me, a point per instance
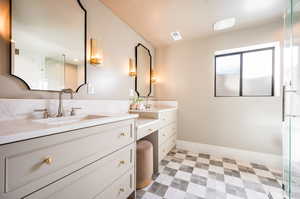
(60, 100)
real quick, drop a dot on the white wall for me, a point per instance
(186, 72)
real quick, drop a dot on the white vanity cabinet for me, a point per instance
(167, 132)
(162, 121)
(84, 163)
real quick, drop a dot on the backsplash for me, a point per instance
(24, 108)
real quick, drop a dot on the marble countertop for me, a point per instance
(142, 122)
(156, 109)
(23, 129)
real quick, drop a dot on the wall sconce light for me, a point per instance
(95, 58)
(153, 77)
(132, 69)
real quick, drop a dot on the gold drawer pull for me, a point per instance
(48, 161)
(122, 162)
(121, 190)
(123, 134)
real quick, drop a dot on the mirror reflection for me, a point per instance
(143, 71)
(48, 43)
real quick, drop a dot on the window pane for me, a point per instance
(257, 73)
(228, 75)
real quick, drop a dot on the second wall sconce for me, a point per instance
(132, 69)
(95, 58)
(153, 76)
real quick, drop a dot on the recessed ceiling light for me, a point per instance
(224, 24)
(176, 36)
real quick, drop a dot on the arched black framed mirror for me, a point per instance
(143, 64)
(48, 44)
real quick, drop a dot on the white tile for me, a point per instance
(183, 176)
(173, 165)
(203, 160)
(189, 163)
(151, 196)
(174, 194)
(263, 173)
(234, 181)
(230, 166)
(193, 154)
(216, 169)
(180, 155)
(164, 179)
(197, 190)
(200, 172)
(211, 183)
(229, 196)
(273, 190)
(220, 186)
(249, 177)
(255, 195)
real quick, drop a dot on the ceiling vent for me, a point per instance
(224, 24)
(176, 36)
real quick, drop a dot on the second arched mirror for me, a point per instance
(143, 63)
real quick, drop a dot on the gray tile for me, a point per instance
(254, 186)
(177, 160)
(231, 172)
(202, 155)
(236, 191)
(201, 165)
(164, 162)
(182, 151)
(199, 180)
(169, 171)
(269, 182)
(179, 184)
(171, 153)
(191, 158)
(228, 160)
(216, 163)
(216, 176)
(158, 189)
(140, 193)
(214, 194)
(246, 169)
(186, 168)
(259, 166)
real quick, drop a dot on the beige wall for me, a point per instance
(186, 72)
(116, 39)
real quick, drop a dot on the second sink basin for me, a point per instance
(69, 119)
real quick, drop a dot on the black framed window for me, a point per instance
(245, 73)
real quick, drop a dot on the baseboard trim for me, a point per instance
(270, 160)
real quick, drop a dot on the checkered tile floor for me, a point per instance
(186, 175)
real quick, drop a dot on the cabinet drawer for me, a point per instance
(166, 132)
(33, 164)
(120, 189)
(146, 130)
(166, 147)
(90, 181)
(167, 117)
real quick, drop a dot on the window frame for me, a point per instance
(241, 53)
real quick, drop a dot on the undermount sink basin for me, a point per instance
(69, 119)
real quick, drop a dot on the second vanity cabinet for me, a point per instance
(162, 121)
(94, 162)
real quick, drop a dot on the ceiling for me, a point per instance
(156, 19)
